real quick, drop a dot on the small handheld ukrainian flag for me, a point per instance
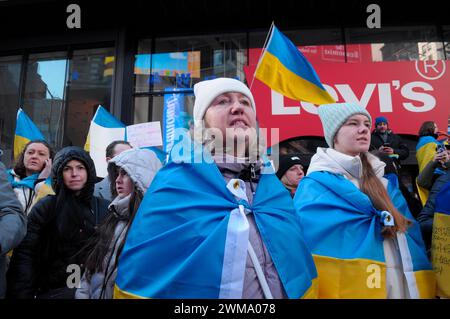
(284, 69)
(26, 131)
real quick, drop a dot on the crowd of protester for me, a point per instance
(231, 225)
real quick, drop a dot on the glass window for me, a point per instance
(91, 73)
(303, 37)
(142, 67)
(44, 96)
(446, 36)
(175, 64)
(142, 109)
(398, 43)
(317, 45)
(183, 61)
(10, 68)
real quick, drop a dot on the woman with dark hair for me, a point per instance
(30, 176)
(426, 150)
(133, 171)
(355, 221)
(58, 227)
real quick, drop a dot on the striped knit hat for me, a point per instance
(333, 116)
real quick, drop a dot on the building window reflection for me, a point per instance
(10, 69)
(44, 96)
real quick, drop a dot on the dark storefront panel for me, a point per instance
(91, 74)
(177, 55)
(44, 94)
(58, 90)
(10, 68)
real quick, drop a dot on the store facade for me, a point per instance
(137, 69)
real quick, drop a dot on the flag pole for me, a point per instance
(263, 50)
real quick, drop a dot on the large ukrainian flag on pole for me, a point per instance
(283, 68)
(26, 131)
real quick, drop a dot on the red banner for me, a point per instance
(406, 93)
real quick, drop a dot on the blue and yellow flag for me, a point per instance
(189, 238)
(425, 151)
(26, 131)
(283, 68)
(344, 235)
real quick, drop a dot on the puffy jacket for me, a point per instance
(58, 227)
(13, 225)
(141, 166)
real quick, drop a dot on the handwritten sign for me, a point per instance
(144, 134)
(440, 253)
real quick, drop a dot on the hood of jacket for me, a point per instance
(62, 158)
(330, 160)
(141, 166)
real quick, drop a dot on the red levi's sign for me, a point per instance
(406, 93)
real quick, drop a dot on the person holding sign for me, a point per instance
(356, 222)
(216, 221)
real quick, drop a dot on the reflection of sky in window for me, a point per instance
(53, 73)
(175, 61)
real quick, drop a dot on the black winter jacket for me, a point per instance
(39, 263)
(59, 226)
(399, 147)
(426, 216)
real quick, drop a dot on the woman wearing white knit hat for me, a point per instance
(225, 115)
(364, 240)
(219, 228)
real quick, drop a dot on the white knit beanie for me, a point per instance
(206, 91)
(333, 116)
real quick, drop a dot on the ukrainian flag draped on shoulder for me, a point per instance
(283, 68)
(425, 151)
(189, 240)
(26, 131)
(344, 235)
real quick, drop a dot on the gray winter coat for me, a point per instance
(13, 226)
(102, 189)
